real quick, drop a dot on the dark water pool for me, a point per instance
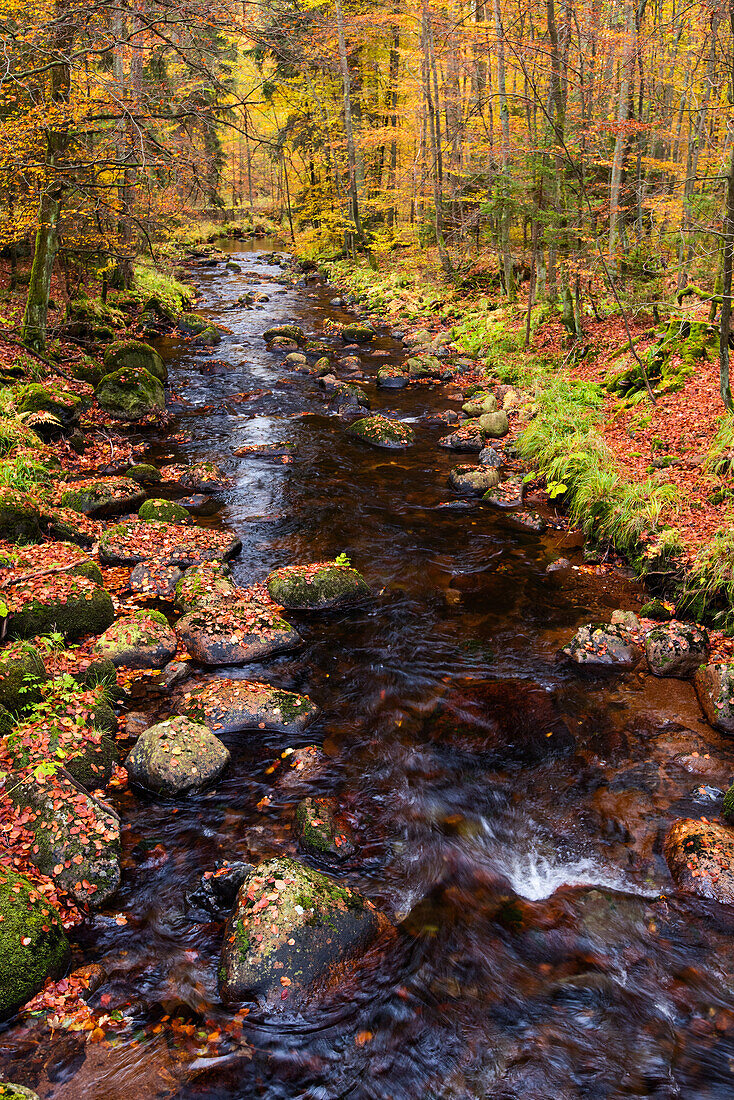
(543, 950)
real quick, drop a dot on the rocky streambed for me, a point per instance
(376, 833)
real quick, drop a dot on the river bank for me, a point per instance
(652, 482)
(503, 808)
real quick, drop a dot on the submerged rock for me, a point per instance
(700, 856)
(231, 705)
(176, 756)
(473, 480)
(676, 649)
(77, 838)
(130, 394)
(321, 832)
(235, 633)
(714, 686)
(603, 646)
(296, 766)
(33, 945)
(357, 334)
(138, 642)
(201, 477)
(381, 431)
(317, 587)
(290, 927)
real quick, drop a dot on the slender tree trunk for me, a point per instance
(505, 211)
(348, 131)
(616, 214)
(432, 133)
(725, 323)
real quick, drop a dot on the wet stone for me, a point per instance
(176, 756)
(227, 706)
(491, 457)
(203, 584)
(298, 766)
(530, 521)
(235, 633)
(216, 892)
(714, 686)
(165, 543)
(322, 832)
(290, 928)
(467, 439)
(601, 646)
(509, 494)
(472, 480)
(381, 431)
(392, 378)
(700, 856)
(676, 649)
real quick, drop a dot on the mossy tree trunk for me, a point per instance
(728, 250)
(57, 141)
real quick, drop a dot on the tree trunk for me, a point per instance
(505, 212)
(616, 214)
(348, 131)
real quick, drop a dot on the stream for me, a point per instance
(543, 951)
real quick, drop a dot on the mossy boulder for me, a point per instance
(656, 609)
(136, 354)
(481, 404)
(235, 633)
(227, 706)
(291, 929)
(72, 606)
(714, 686)
(165, 543)
(33, 945)
(176, 756)
(380, 431)
(493, 425)
(130, 394)
(676, 649)
(100, 673)
(93, 311)
(9, 1091)
(358, 334)
(106, 497)
(349, 394)
(191, 324)
(140, 642)
(600, 646)
(87, 752)
(22, 672)
(145, 474)
(163, 511)
(322, 832)
(473, 481)
(207, 583)
(19, 518)
(66, 407)
(77, 839)
(289, 332)
(317, 587)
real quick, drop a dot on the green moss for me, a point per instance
(382, 432)
(22, 672)
(727, 811)
(24, 967)
(290, 705)
(156, 616)
(330, 584)
(19, 519)
(163, 511)
(144, 474)
(33, 398)
(137, 354)
(81, 607)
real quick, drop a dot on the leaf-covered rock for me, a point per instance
(317, 587)
(33, 945)
(77, 839)
(603, 646)
(72, 606)
(473, 481)
(321, 832)
(227, 706)
(207, 583)
(176, 756)
(19, 517)
(676, 649)
(137, 642)
(714, 686)
(104, 497)
(700, 856)
(290, 927)
(22, 674)
(467, 439)
(171, 544)
(235, 633)
(357, 334)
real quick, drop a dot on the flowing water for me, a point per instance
(509, 812)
